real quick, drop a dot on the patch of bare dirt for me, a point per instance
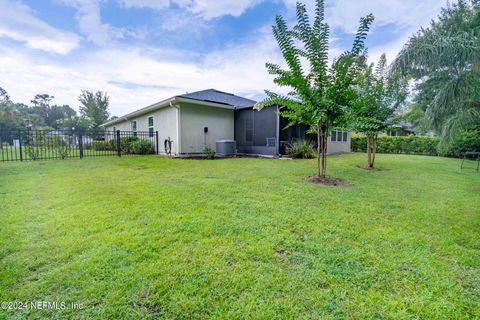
(333, 182)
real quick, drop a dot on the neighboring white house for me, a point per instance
(193, 120)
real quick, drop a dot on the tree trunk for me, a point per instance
(324, 152)
(369, 151)
(374, 150)
(322, 139)
(319, 150)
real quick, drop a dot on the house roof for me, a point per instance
(210, 97)
(216, 96)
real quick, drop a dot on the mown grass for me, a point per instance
(153, 238)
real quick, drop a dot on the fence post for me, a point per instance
(20, 143)
(119, 150)
(156, 142)
(80, 145)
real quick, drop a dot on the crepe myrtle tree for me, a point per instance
(319, 95)
(379, 94)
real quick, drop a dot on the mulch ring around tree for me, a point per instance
(333, 182)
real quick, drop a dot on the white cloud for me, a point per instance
(154, 4)
(90, 22)
(345, 14)
(207, 9)
(18, 22)
(407, 16)
(210, 9)
(136, 77)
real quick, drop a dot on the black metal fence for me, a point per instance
(29, 145)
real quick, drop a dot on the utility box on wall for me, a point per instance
(226, 147)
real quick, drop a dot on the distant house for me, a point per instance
(72, 140)
(193, 120)
(401, 129)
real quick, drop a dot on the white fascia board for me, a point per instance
(205, 103)
(165, 103)
(139, 112)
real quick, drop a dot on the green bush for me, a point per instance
(301, 149)
(104, 145)
(209, 152)
(126, 144)
(466, 141)
(406, 145)
(142, 147)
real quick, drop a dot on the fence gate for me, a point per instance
(29, 145)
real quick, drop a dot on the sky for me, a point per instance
(143, 51)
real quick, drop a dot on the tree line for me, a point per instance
(43, 114)
(442, 61)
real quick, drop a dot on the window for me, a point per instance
(339, 136)
(248, 130)
(134, 128)
(150, 126)
(334, 136)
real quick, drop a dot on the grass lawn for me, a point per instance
(150, 237)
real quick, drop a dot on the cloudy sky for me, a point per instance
(142, 51)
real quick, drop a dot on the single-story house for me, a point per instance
(72, 140)
(401, 129)
(193, 120)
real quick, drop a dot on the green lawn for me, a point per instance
(149, 237)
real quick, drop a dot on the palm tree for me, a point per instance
(445, 59)
(319, 94)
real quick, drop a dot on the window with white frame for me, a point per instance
(150, 126)
(339, 136)
(134, 128)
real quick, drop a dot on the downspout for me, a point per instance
(179, 145)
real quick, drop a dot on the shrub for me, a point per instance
(209, 152)
(32, 152)
(104, 145)
(466, 141)
(62, 150)
(406, 145)
(301, 149)
(126, 144)
(142, 147)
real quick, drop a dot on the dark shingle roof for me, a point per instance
(212, 95)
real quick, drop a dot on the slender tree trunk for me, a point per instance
(374, 150)
(323, 145)
(322, 139)
(369, 151)
(319, 150)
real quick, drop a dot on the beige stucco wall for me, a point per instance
(339, 147)
(164, 121)
(193, 120)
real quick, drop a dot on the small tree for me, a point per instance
(319, 95)
(4, 97)
(42, 108)
(94, 107)
(379, 94)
